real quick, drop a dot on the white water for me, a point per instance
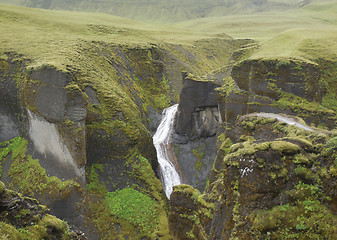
(161, 141)
(288, 120)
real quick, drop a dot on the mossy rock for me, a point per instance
(54, 224)
(285, 147)
(8, 232)
(2, 187)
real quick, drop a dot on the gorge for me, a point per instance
(90, 125)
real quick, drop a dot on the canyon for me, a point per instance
(89, 107)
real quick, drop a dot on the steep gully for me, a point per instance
(166, 158)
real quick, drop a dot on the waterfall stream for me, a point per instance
(162, 143)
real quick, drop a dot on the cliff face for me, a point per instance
(197, 121)
(269, 179)
(289, 86)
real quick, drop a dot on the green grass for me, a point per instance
(54, 37)
(134, 207)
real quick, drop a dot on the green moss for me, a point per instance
(30, 179)
(8, 232)
(198, 153)
(284, 147)
(198, 165)
(304, 172)
(135, 208)
(94, 184)
(16, 146)
(48, 226)
(54, 223)
(23, 213)
(303, 108)
(225, 145)
(28, 176)
(248, 125)
(331, 149)
(301, 159)
(304, 218)
(142, 170)
(2, 187)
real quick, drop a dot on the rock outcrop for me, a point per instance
(289, 86)
(270, 179)
(189, 214)
(197, 123)
(198, 114)
(24, 218)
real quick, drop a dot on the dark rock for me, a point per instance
(8, 128)
(50, 102)
(266, 77)
(12, 120)
(185, 201)
(92, 96)
(154, 120)
(197, 115)
(179, 139)
(50, 76)
(195, 160)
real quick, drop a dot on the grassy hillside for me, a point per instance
(55, 36)
(163, 10)
(263, 26)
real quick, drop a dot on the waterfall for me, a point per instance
(161, 141)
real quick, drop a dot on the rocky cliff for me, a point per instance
(271, 178)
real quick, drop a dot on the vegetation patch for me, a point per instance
(28, 176)
(134, 207)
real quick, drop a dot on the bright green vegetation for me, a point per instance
(135, 208)
(94, 184)
(142, 170)
(27, 175)
(39, 230)
(15, 145)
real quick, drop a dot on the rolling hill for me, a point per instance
(160, 11)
